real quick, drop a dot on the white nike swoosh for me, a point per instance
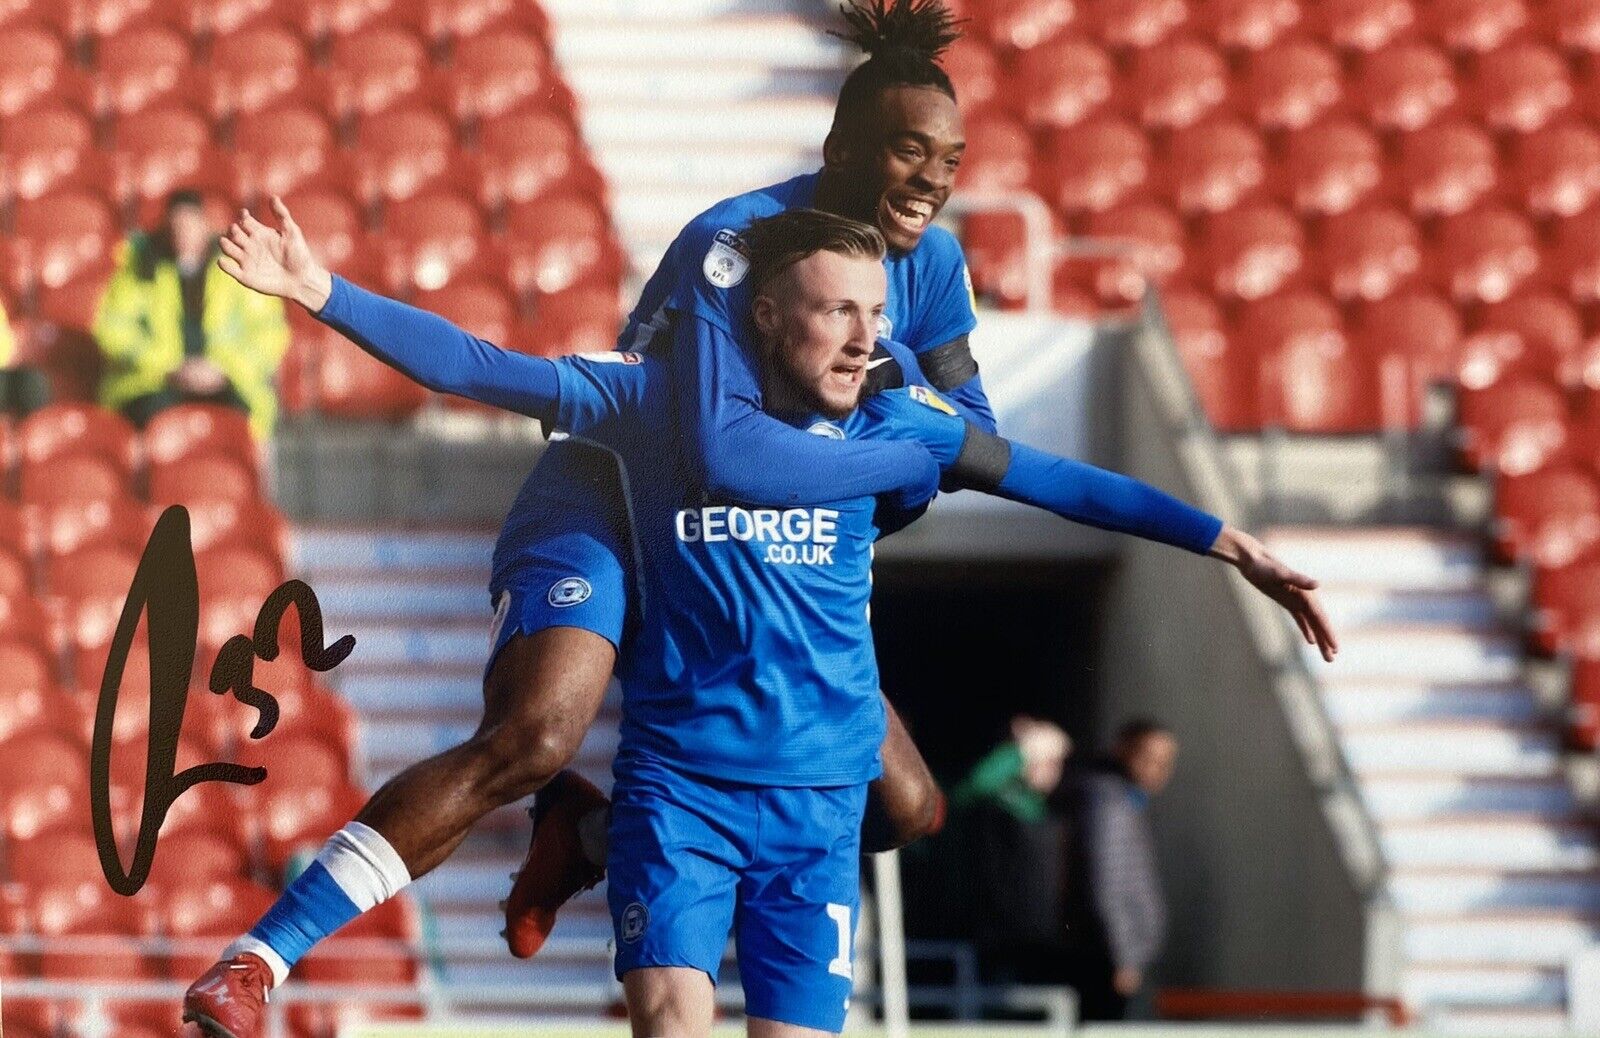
(881, 360)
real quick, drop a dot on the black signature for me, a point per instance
(166, 591)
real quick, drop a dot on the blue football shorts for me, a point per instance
(693, 859)
(564, 558)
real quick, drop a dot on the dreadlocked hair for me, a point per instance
(903, 40)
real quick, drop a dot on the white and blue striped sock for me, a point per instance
(355, 870)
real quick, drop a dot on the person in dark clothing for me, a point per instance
(1011, 804)
(1116, 913)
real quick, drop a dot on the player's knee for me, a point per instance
(522, 754)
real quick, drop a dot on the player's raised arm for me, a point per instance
(421, 345)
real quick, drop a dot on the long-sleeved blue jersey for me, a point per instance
(753, 660)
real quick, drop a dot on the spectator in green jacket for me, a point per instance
(175, 329)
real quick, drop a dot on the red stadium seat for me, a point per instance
(1331, 167)
(254, 69)
(375, 70)
(398, 154)
(81, 19)
(1247, 24)
(1541, 330)
(1212, 167)
(973, 71)
(330, 223)
(16, 578)
(1485, 255)
(25, 620)
(57, 237)
(191, 429)
(1515, 427)
(1175, 84)
(1097, 164)
(247, 571)
(44, 786)
(319, 19)
(1000, 157)
(585, 319)
(217, 19)
(31, 68)
(1558, 170)
(101, 571)
(557, 243)
(494, 73)
(1567, 618)
(444, 20)
(72, 479)
(16, 532)
(429, 239)
(1368, 253)
(1252, 251)
(211, 908)
(525, 155)
(1519, 88)
(1446, 168)
(1290, 86)
(1136, 23)
(1224, 377)
(72, 430)
(1549, 517)
(159, 150)
(66, 527)
(1474, 26)
(73, 305)
(197, 854)
(1022, 24)
(87, 906)
(1405, 87)
(1361, 25)
(280, 151)
(1153, 234)
(1573, 257)
(29, 690)
(1312, 380)
(479, 307)
(353, 384)
(1063, 82)
(1573, 24)
(46, 149)
(997, 259)
(302, 818)
(137, 67)
(1418, 326)
(204, 476)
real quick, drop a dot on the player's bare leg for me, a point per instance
(756, 1027)
(905, 803)
(669, 1002)
(538, 701)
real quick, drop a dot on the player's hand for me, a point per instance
(275, 262)
(1293, 590)
(1126, 981)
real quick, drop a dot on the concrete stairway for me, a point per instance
(1494, 867)
(685, 102)
(418, 606)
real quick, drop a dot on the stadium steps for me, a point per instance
(417, 603)
(1494, 866)
(685, 102)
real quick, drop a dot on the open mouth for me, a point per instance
(910, 215)
(847, 376)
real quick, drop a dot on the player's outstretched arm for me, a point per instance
(423, 346)
(1111, 501)
(747, 455)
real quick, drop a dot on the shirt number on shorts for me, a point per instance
(840, 966)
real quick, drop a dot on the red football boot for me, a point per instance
(556, 867)
(230, 999)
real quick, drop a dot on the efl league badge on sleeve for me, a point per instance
(726, 264)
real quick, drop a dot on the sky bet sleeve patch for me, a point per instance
(726, 263)
(928, 398)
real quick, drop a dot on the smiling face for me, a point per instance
(900, 168)
(819, 323)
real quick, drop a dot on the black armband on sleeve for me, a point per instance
(983, 462)
(949, 366)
